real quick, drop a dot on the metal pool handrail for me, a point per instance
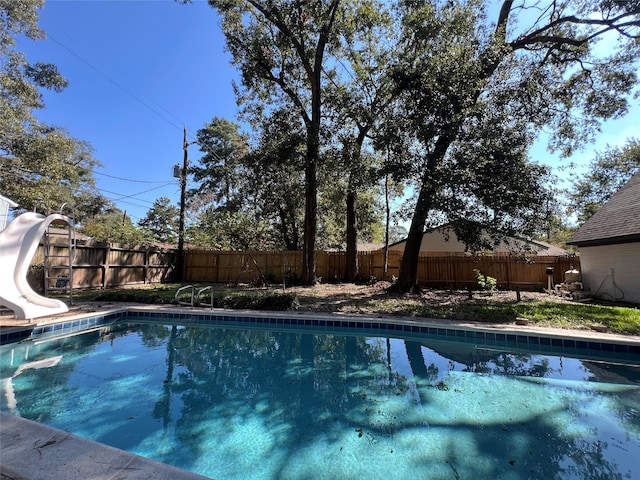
(199, 294)
(186, 287)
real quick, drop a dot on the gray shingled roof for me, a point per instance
(617, 221)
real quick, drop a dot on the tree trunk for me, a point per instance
(311, 189)
(408, 277)
(288, 228)
(310, 226)
(351, 268)
(387, 208)
(430, 184)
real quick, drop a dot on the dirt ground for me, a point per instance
(436, 296)
(354, 298)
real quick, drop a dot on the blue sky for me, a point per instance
(140, 70)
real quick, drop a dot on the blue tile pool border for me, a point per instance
(553, 344)
(61, 329)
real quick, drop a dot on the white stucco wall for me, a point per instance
(612, 272)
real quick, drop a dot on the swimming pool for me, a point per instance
(267, 399)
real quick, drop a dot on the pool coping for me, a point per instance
(30, 450)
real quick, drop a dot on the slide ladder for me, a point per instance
(58, 260)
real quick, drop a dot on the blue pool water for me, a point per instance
(251, 403)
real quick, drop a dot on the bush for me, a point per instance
(133, 296)
(258, 301)
(486, 283)
(233, 300)
(35, 277)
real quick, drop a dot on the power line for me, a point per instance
(94, 172)
(136, 194)
(109, 79)
(163, 183)
(129, 179)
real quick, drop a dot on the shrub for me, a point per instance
(486, 283)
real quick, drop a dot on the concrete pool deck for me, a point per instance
(33, 451)
(29, 450)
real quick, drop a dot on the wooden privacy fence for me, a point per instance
(245, 267)
(456, 272)
(102, 265)
(511, 273)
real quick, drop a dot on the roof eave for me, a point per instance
(594, 242)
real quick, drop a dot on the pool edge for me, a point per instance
(545, 340)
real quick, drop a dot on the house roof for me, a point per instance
(361, 247)
(61, 232)
(617, 221)
(536, 247)
(549, 250)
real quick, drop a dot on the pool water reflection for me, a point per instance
(233, 403)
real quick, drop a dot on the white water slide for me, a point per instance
(18, 244)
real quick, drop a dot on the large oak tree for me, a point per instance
(357, 97)
(476, 90)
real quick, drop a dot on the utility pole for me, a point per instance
(183, 191)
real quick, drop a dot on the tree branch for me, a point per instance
(539, 36)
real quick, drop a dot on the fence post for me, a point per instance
(105, 265)
(216, 258)
(455, 273)
(145, 268)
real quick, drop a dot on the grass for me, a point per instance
(625, 320)
(358, 300)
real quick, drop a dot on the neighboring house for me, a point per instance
(609, 244)
(361, 247)
(444, 241)
(5, 205)
(62, 232)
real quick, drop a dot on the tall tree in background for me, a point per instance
(333, 216)
(41, 167)
(220, 170)
(607, 173)
(223, 201)
(356, 101)
(280, 48)
(114, 226)
(276, 164)
(162, 221)
(474, 93)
